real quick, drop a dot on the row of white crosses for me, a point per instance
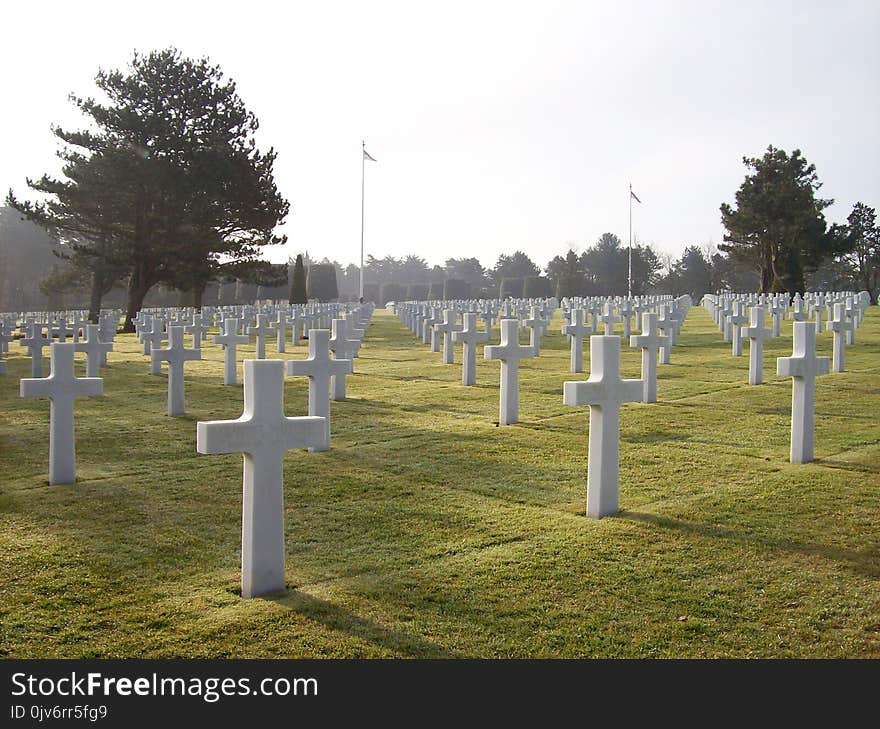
(420, 316)
(345, 343)
(844, 313)
(96, 340)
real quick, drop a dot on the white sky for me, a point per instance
(496, 125)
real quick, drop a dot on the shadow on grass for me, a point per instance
(866, 563)
(339, 619)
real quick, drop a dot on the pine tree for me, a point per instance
(298, 293)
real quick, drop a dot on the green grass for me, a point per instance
(429, 531)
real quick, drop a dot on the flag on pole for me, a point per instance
(367, 156)
(630, 192)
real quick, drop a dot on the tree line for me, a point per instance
(167, 188)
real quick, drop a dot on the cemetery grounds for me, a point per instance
(428, 531)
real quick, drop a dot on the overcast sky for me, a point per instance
(495, 126)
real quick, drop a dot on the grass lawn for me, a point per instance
(428, 531)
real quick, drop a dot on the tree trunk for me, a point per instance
(95, 297)
(198, 293)
(138, 288)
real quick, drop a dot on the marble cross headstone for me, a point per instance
(281, 323)
(609, 319)
(469, 335)
(320, 368)
(537, 325)
(756, 334)
(605, 391)
(153, 339)
(650, 341)
(229, 340)
(61, 387)
(839, 325)
(261, 329)
(436, 321)
(737, 320)
(198, 330)
(94, 348)
(176, 356)
(264, 435)
(576, 329)
(448, 326)
(34, 341)
(342, 348)
(803, 367)
(510, 352)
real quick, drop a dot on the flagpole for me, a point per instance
(629, 276)
(363, 160)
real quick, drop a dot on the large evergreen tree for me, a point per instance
(517, 265)
(169, 184)
(298, 291)
(777, 228)
(863, 258)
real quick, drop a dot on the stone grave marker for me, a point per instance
(264, 435)
(61, 387)
(321, 369)
(803, 366)
(605, 391)
(469, 336)
(510, 352)
(176, 356)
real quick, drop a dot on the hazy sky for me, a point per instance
(495, 126)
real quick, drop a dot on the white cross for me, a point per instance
(198, 329)
(354, 333)
(626, 313)
(342, 348)
(850, 312)
(296, 321)
(79, 324)
(264, 435)
(802, 367)
(609, 319)
(436, 321)
(229, 340)
(666, 325)
(176, 356)
(154, 339)
(34, 342)
(261, 329)
(430, 320)
(94, 348)
(840, 325)
(510, 352)
(604, 392)
(726, 310)
(577, 330)
(650, 341)
(798, 314)
(488, 318)
(321, 369)
(448, 326)
(281, 323)
(61, 387)
(818, 307)
(777, 309)
(737, 319)
(469, 336)
(61, 330)
(537, 327)
(756, 334)
(5, 336)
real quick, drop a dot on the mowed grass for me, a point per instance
(429, 531)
